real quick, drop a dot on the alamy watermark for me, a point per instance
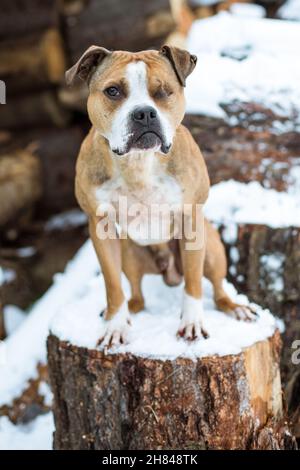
(2, 92)
(296, 353)
(152, 223)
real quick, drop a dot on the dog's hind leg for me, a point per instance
(215, 269)
(136, 261)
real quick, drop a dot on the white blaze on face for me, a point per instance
(136, 76)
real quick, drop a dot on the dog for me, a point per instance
(138, 149)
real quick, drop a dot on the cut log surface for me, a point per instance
(158, 392)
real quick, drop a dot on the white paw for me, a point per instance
(117, 329)
(191, 325)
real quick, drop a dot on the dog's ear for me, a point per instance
(182, 61)
(87, 63)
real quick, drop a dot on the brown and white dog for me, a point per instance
(137, 148)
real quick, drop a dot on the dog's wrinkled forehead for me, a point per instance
(134, 71)
(96, 60)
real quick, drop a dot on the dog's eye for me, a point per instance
(112, 92)
(162, 93)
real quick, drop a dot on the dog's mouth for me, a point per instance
(148, 140)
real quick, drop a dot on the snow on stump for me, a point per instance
(159, 392)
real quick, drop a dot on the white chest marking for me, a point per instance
(143, 212)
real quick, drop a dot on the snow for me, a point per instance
(272, 268)
(66, 220)
(27, 346)
(7, 275)
(13, 318)
(244, 59)
(46, 392)
(290, 10)
(153, 331)
(235, 202)
(247, 9)
(36, 435)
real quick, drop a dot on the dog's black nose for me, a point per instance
(144, 116)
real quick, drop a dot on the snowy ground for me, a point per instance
(238, 58)
(290, 10)
(36, 435)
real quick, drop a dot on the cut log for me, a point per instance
(123, 401)
(57, 151)
(33, 110)
(107, 22)
(38, 59)
(250, 150)
(20, 185)
(21, 17)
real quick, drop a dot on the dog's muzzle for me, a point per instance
(145, 131)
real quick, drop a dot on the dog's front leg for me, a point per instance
(117, 315)
(192, 250)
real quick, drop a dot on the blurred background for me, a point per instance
(43, 124)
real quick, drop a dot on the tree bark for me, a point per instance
(123, 401)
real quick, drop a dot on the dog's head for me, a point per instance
(136, 100)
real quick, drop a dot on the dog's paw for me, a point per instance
(243, 313)
(191, 326)
(117, 329)
(237, 311)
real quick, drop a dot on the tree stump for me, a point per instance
(195, 399)
(123, 401)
